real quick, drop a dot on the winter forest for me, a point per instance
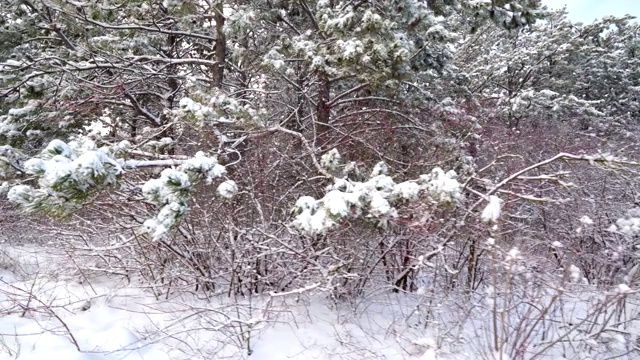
(317, 179)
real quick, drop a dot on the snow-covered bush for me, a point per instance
(373, 199)
(70, 174)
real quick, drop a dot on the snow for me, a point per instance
(221, 108)
(79, 164)
(313, 222)
(101, 127)
(383, 184)
(330, 160)
(200, 111)
(628, 225)
(442, 187)
(110, 320)
(40, 310)
(35, 166)
(491, 212)
(58, 147)
(170, 191)
(47, 311)
(167, 188)
(336, 204)
(306, 203)
(90, 164)
(275, 59)
(350, 48)
(623, 288)
(174, 182)
(20, 194)
(379, 169)
(227, 189)
(57, 170)
(575, 273)
(22, 111)
(11, 62)
(168, 213)
(407, 190)
(171, 4)
(585, 220)
(339, 22)
(374, 199)
(513, 254)
(175, 178)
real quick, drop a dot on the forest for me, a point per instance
(394, 179)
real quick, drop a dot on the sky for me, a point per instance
(588, 10)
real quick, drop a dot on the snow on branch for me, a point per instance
(491, 212)
(628, 225)
(373, 199)
(220, 108)
(70, 174)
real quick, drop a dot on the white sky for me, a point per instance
(588, 10)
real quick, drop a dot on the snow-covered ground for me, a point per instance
(51, 311)
(48, 314)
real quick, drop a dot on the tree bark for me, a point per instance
(220, 47)
(323, 113)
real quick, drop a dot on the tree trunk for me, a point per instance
(220, 48)
(323, 113)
